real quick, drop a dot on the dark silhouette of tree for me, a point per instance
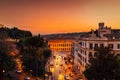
(6, 61)
(13, 33)
(103, 66)
(3, 34)
(35, 54)
(17, 33)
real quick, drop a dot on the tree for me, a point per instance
(17, 33)
(13, 33)
(3, 35)
(6, 61)
(103, 66)
(35, 54)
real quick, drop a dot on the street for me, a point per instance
(60, 69)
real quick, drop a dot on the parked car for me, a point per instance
(26, 78)
(71, 74)
(18, 71)
(51, 65)
(67, 77)
(79, 79)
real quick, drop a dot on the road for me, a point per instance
(58, 71)
(57, 74)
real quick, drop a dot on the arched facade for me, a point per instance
(60, 45)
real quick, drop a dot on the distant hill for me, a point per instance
(13, 33)
(64, 36)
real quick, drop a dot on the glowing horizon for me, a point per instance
(50, 16)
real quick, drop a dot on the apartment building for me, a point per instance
(103, 37)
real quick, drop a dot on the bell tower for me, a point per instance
(101, 25)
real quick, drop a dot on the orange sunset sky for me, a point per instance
(59, 16)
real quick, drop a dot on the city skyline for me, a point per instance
(60, 16)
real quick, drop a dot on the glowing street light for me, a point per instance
(3, 71)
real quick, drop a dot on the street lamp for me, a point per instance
(3, 71)
(30, 72)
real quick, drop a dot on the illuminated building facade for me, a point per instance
(61, 45)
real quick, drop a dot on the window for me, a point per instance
(65, 49)
(69, 45)
(80, 56)
(80, 43)
(65, 45)
(59, 44)
(95, 54)
(85, 52)
(90, 54)
(85, 60)
(96, 45)
(101, 45)
(118, 46)
(110, 46)
(81, 51)
(91, 46)
(85, 44)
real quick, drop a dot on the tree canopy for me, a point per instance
(103, 66)
(6, 61)
(13, 33)
(35, 54)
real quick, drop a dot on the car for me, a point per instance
(71, 74)
(18, 71)
(79, 79)
(51, 65)
(80, 76)
(67, 77)
(59, 57)
(26, 78)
